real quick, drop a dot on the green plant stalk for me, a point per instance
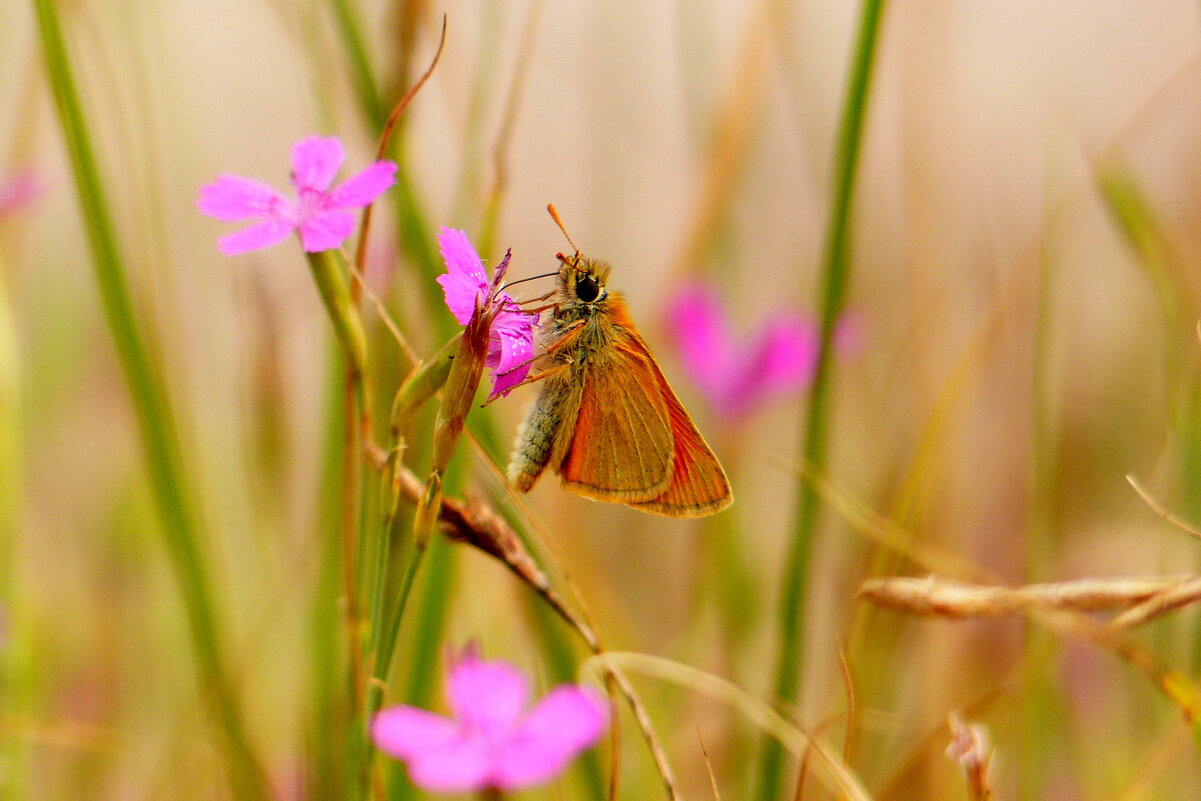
(329, 273)
(835, 276)
(360, 63)
(164, 462)
(436, 586)
(331, 709)
(418, 389)
(461, 383)
(12, 676)
(1039, 713)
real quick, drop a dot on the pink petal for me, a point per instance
(503, 383)
(567, 721)
(406, 732)
(508, 350)
(315, 162)
(232, 198)
(363, 188)
(786, 354)
(260, 235)
(326, 230)
(517, 351)
(511, 347)
(703, 338)
(458, 765)
(459, 254)
(461, 292)
(487, 696)
(19, 190)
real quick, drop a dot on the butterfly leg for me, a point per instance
(547, 296)
(570, 333)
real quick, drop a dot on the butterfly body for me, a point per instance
(606, 419)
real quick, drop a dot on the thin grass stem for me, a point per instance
(172, 494)
(835, 276)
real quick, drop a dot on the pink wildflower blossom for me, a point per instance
(492, 741)
(321, 215)
(736, 376)
(20, 190)
(466, 285)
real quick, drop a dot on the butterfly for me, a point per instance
(606, 420)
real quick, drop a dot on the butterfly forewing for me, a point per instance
(622, 442)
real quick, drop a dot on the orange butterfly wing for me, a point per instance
(620, 450)
(633, 441)
(698, 485)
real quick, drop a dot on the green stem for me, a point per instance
(360, 63)
(13, 687)
(835, 276)
(153, 412)
(331, 708)
(329, 274)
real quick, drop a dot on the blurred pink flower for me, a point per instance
(511, 341)
(492, 741)
(736, 376)
(321, 215)
(19, 190)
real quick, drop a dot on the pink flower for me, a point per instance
(321, 215)
(20, 190)
(735, 376)
(466, 285)
(492, 741)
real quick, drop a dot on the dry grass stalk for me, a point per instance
(1060, 607)
(708, 766)
(1160, 509)
(1179, 594)
(970, 748)
(946, 597)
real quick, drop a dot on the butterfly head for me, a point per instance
(582, 280)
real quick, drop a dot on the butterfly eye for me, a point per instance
(586, 289)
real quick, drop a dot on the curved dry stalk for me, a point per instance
(360, 256)
(708, 765)
(802, 778)
(852, 725)
(500, 149)
(837, 776)
(1160, 509)
(880, 529)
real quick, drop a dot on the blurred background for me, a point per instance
(1024, 296)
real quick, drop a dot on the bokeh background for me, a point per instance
(1024, 292)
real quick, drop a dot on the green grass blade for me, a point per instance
(12, 677)
(835, 275)
(164, 463)
(360, 63)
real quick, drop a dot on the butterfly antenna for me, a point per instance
(554, 215)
